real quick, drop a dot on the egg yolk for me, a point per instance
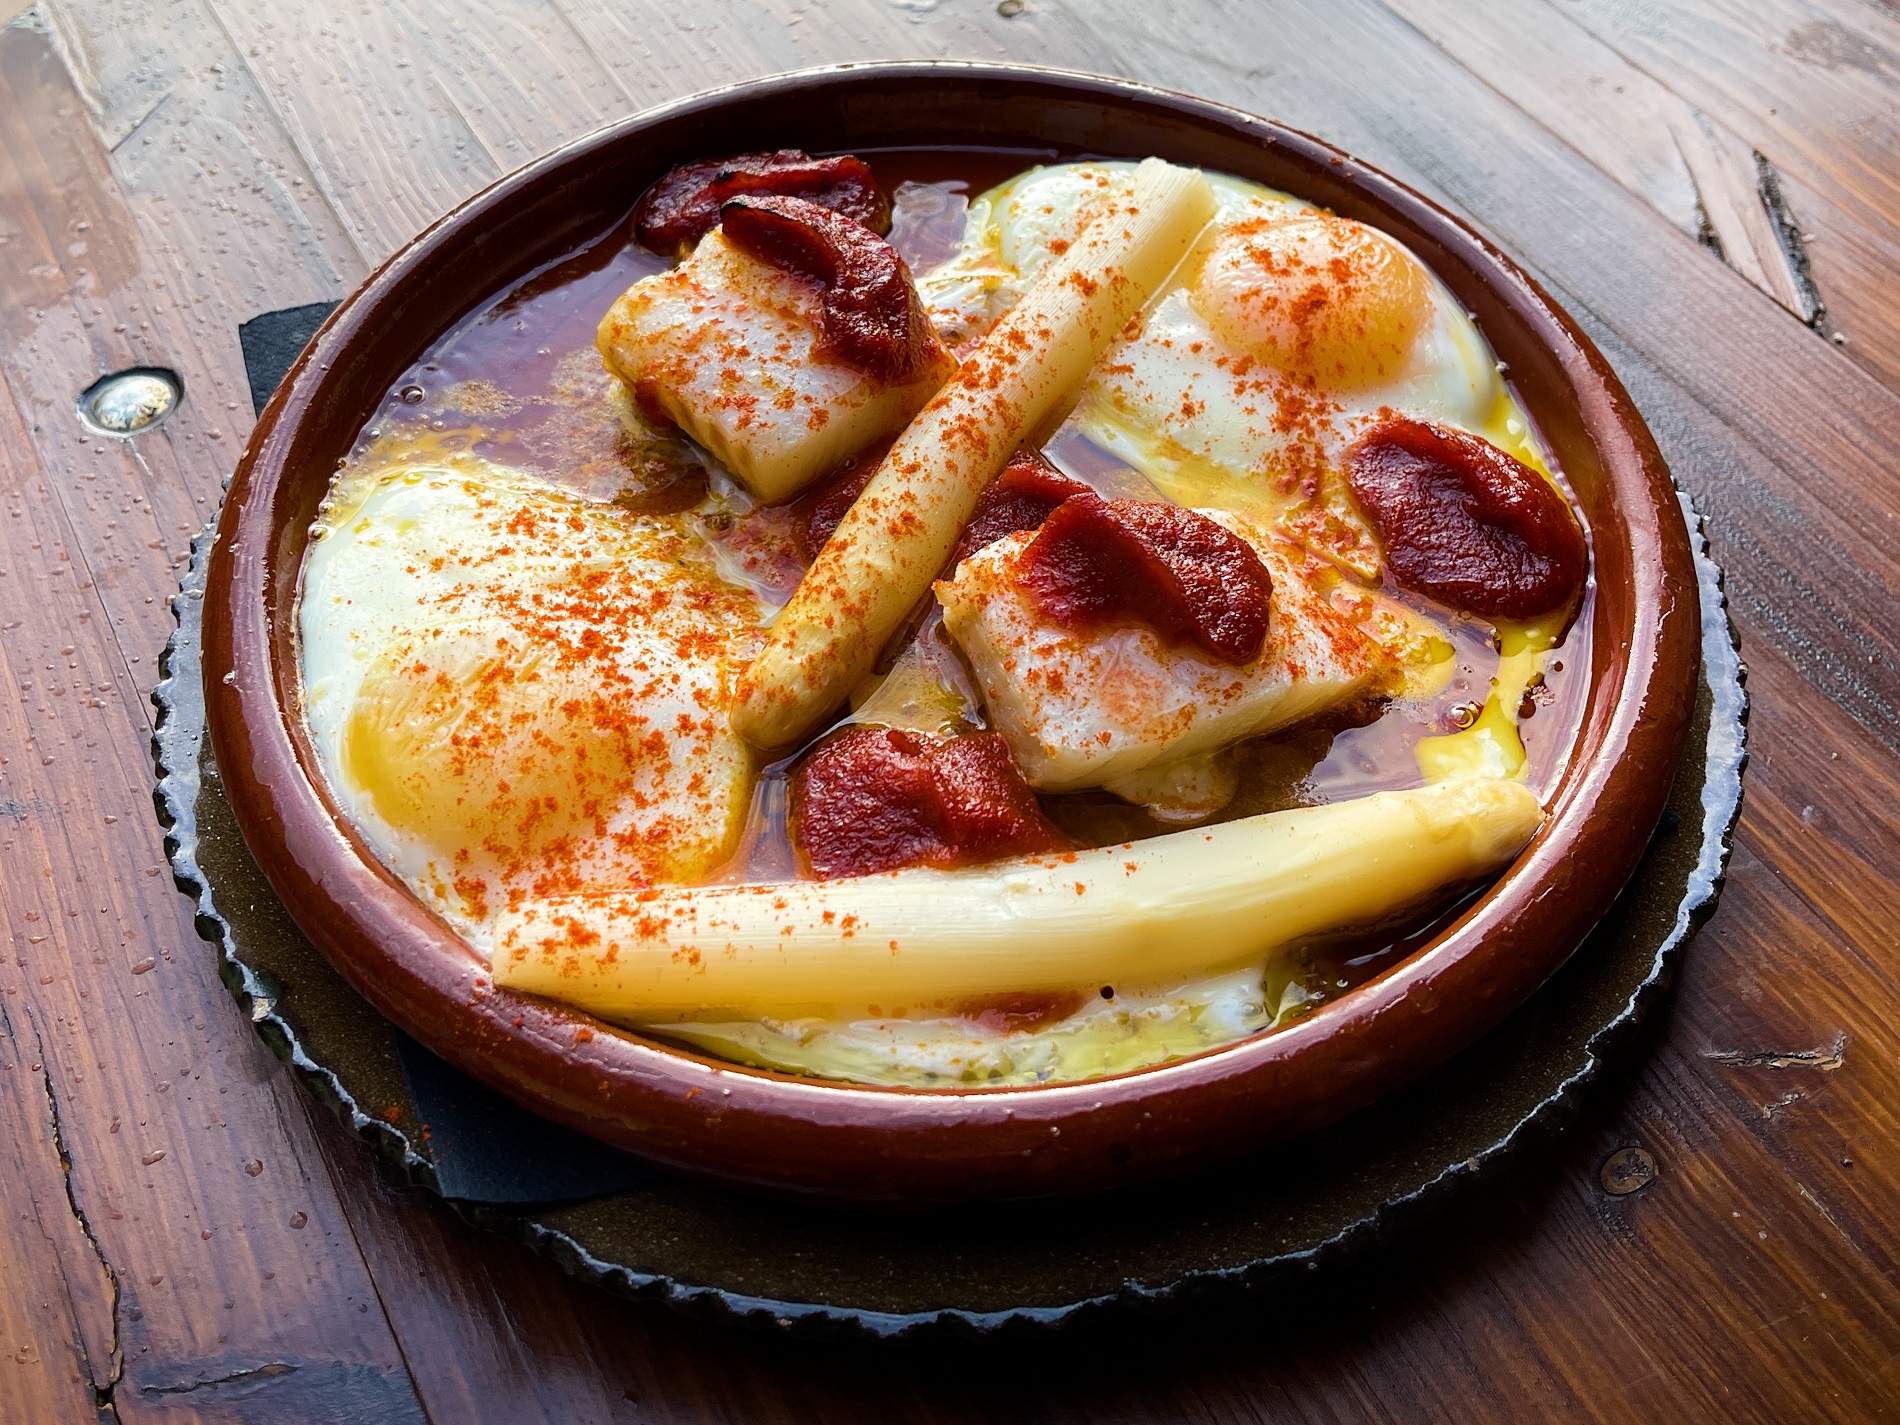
(481, 748)
(1324, 298)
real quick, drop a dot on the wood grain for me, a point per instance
(1701, 176)
(104, 975)
(1810, 88)
(166, 173)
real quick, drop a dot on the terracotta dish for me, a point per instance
(904, 1144)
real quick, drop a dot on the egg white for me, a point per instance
(1132, 1028)
(464, 568)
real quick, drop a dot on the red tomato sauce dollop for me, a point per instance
(870, 318)
(880, 798)
(1465, 523)
(1097, 562)
(683, 206)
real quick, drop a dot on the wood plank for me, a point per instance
(163, 1097)
(661, 54)
(524, 80)
(1810, 86)
(1811, 80)
(187, 162)
(224, 204)
(387, 148)
(58, 1315)
(1700, 176)
(85, 297)
(1813, 821)
(1574, 1303)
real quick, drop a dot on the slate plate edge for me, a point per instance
(1726, 758)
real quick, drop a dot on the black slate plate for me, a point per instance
(1266, 1224)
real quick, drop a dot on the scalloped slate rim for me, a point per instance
(179, 706)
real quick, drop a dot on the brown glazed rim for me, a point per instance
(913, 1146)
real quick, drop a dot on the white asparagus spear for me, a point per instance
(894, 539)
(1187, 904)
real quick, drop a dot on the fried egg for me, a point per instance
(1282, 334)
(511, 688)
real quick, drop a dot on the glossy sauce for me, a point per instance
(872, 799)
(1464, 523)
(1099, 562)
(519, 381)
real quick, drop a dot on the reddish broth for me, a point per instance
(519, 381)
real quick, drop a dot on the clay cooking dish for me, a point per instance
(906, 1145)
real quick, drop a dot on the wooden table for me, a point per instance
(1711, 187)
